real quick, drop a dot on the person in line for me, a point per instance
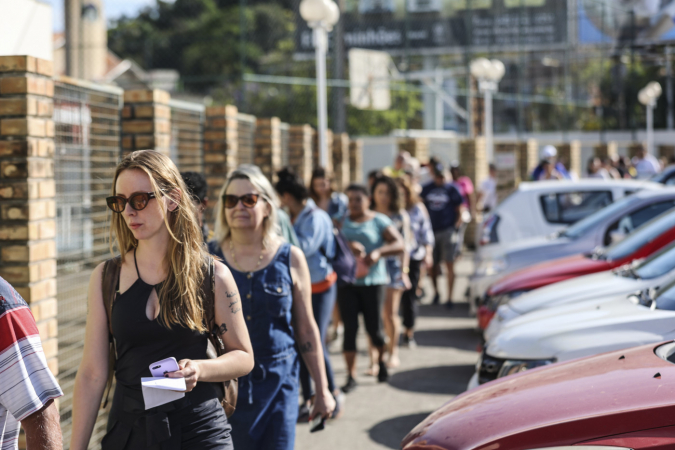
(550, 168)
(487, 194)
(444, 202)
(372, 236)
(314, 229)
(421, 254)
(464, 185)
(321, 192)
(645, 164)
(594, 169)
(609, 163)
(28, 388)
(275, 286)
(387, 201)
(198, 191)
(157, 313)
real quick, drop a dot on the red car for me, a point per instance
(641, 243)
(622, 400)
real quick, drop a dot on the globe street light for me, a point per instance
(488, 73)
(648, 96)
(321, 15)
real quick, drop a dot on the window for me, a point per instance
(639, 238)
(630, 222)
(569, 207)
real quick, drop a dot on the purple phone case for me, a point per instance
(160, 368)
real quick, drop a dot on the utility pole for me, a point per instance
(339, 106)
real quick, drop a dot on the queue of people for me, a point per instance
(241, 312)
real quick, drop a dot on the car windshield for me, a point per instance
(640, 237)
(656, 265)
(665, 298)
(585, 225)
(662, 176)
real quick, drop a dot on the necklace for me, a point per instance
(234, 258)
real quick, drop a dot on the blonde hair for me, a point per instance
(264, 187)
(179, 295)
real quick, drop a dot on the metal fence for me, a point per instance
(87, 122)
(246, 126)
(187, 135)
(285, 140)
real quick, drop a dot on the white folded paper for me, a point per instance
(160, 390)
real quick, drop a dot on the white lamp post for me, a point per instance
(488, 73)
(321, 15)
(648, 96)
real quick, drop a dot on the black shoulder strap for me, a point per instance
(109, 288)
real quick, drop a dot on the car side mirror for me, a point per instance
(616, 236)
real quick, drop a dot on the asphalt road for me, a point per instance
(378, 416)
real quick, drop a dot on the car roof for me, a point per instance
(563, 185)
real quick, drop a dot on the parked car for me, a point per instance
(649, 238)
(666, 176)
(618, 400)
(601, 228)
(544, 207)
(654, 271)
(573, 331)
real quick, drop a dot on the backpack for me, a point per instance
(343, 261)
(227, 390)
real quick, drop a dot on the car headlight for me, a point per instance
(491, 267)
(513, 366)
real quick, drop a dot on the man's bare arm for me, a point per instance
(42, 428)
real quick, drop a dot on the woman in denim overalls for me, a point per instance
(274, 283)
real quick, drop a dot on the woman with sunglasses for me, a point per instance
(275, 286)
(372, 236)
(158, 312)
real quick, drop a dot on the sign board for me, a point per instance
(413, 24)
(369, 78)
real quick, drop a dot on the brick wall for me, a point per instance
(341, 161)
(607, 149)
(221, 149)
(300, 142)
(146, 121)
(267, 153)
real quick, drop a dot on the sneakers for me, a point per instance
(436, 300)
(408, 342)
(339, 405)
(350, 386)
(383, 374)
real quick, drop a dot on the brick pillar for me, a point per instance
(315, 151)
(27, 191)
(341, 161)
(417, 147)
(267, 151)
(146, 121)
(221, 146)
(569, 154)
(508, 173)
(605, 150)
(473, 158)
(528, 158)
(300, 151)
(666, 151)
(356, 161)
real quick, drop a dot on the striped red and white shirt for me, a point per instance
(26, 383)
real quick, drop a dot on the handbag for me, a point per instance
(227, 390)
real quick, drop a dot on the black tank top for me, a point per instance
(141, 341)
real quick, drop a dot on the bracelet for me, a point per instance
(406, 270)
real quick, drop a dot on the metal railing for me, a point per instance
(87, 140)
(246, 125)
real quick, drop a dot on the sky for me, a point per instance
(113, 9)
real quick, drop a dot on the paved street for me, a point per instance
(378, 416)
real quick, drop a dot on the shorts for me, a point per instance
(445, 248)
(395, 271)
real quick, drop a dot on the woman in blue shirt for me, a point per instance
(314, 231)
(372, 236)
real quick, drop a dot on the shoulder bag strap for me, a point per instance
(109, 290)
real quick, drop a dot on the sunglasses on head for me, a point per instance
(137, 201)
(248, 200)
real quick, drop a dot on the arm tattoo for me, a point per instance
(234, 308)
(222, 329)
(306, 347)
(231, 294)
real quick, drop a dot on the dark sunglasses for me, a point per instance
(137, 201)
(248, 200)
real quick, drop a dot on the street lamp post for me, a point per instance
(488, 73)
(321, 15)
(648, 96)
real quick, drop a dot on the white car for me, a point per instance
(654, 271)
(540, 209)
(574, 331)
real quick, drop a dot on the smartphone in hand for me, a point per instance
(161, 368)
(318, 423)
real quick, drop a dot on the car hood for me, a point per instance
(583, 329)
(575, 290)
(549, 272)
(569, 403)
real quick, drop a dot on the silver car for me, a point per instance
(600, 229)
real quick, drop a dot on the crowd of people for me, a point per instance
(247, 306)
